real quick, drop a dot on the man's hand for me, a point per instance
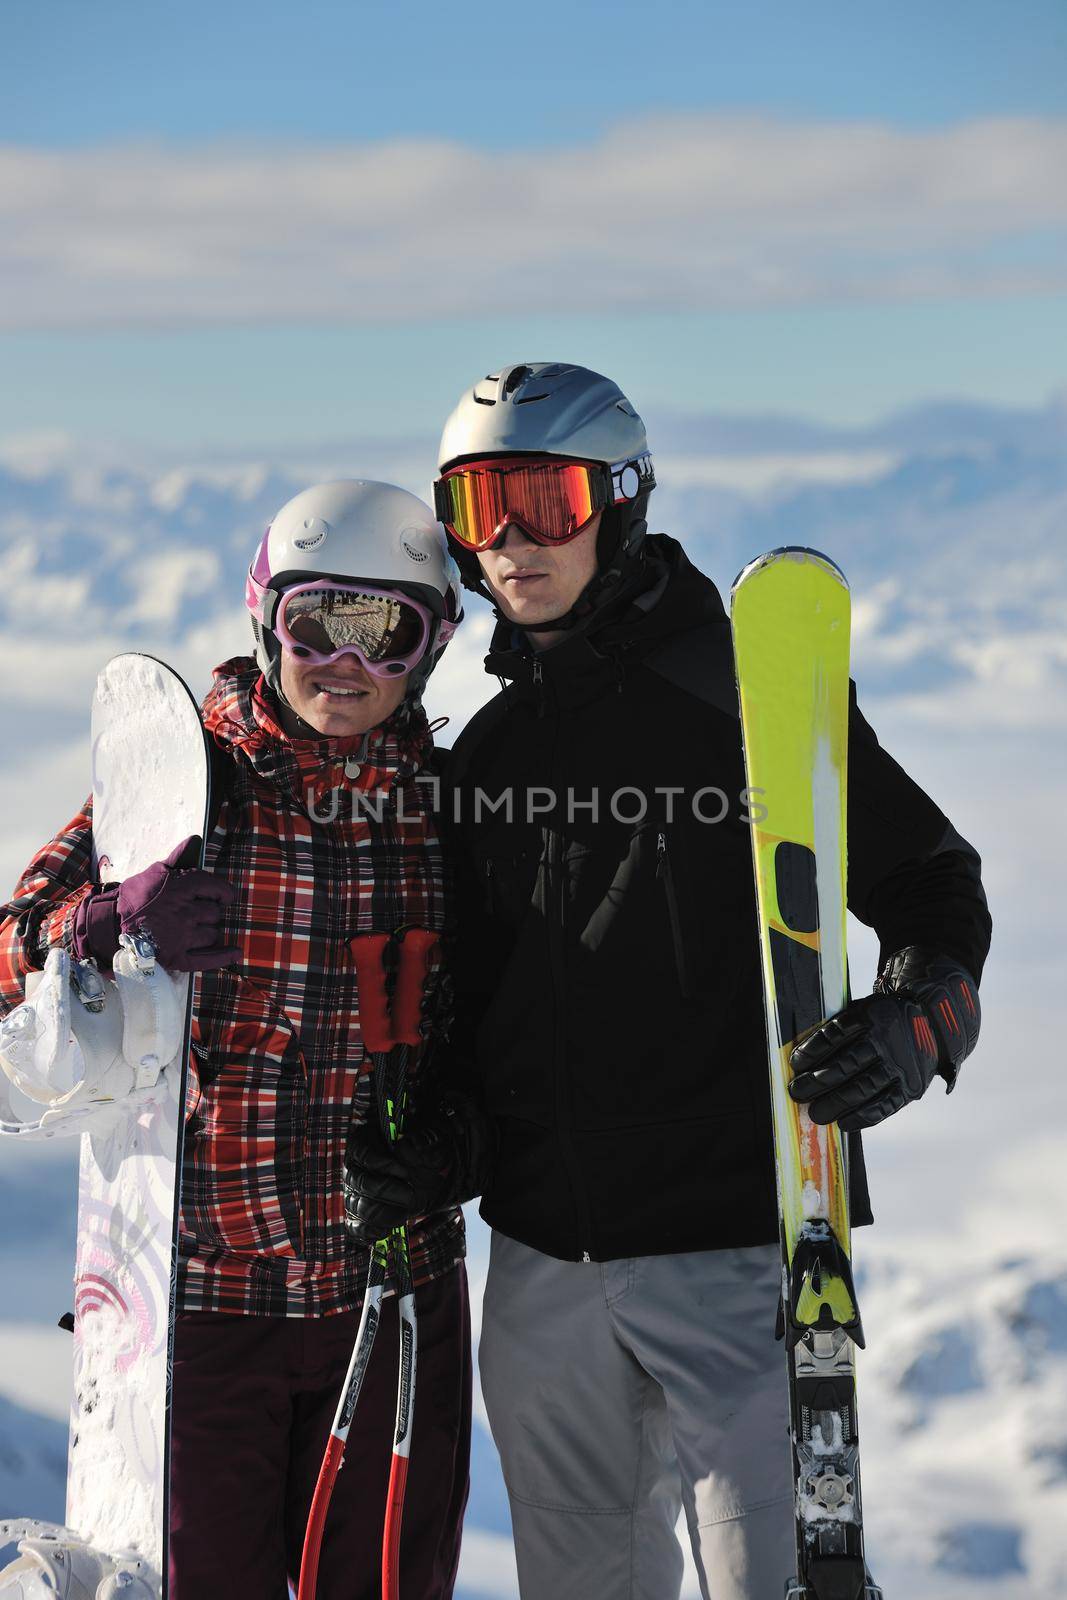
(440, 1160)
(883, 1051)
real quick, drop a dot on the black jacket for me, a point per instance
(607, 966)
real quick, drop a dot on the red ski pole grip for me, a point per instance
(368, 952)
(416, 953)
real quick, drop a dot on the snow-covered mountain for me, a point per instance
(964, 1425)
(951, 523)
(948, 520)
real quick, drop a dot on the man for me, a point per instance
(608, 989)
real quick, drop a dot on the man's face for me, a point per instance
(533, 582)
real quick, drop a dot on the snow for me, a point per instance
(41, 1356)
(33, 1465)
(964, 1464)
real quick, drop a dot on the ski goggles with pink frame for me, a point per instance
(387, 632)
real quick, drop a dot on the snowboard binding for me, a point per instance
(55, 1563)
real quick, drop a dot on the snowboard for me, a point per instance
(151, 790)
(790, 616)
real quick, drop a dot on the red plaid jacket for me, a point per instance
(322, 839)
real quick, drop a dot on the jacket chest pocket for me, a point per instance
(506, 885)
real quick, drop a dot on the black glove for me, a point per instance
(882, 1051)
(441, 1159)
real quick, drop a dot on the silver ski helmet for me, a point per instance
(556, 408)
(355, 530)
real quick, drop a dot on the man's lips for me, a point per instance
(523, 577)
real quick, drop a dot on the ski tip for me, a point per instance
(799, 554)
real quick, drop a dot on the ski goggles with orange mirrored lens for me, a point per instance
(550, 499)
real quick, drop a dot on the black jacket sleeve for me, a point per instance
(911, 877)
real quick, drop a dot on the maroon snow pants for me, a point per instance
(254, 1398)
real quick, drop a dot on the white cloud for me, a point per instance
(40, 790)
(757, 473)
(460, 684)
(165, 580)
(488, 1565)
(36, 454)
(673, 211)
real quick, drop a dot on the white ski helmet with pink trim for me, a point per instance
(355, 530)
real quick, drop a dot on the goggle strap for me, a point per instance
(442, 501)
(632, 477)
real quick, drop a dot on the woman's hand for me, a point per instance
(179, 908)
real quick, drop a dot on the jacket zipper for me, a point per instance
(665, 873)
(538, 683)
(556, 896)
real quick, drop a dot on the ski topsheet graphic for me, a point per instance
(790, 617)
(110, 1056)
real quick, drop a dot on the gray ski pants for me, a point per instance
(619, 1393)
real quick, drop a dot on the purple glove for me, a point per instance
(178, 907)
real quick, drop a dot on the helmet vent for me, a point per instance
(516, 376)
(315, 531)
(483, 400)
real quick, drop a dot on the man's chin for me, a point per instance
(527, 615)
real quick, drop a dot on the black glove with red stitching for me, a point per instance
(883, 1051)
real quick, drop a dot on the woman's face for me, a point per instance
(338, 701)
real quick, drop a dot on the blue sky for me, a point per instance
(239, 226)
(511, 74)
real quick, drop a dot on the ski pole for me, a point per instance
(342, 1422)
(380, 1033)
(368, 952)
(416, 954)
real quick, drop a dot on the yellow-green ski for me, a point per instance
(790, 614)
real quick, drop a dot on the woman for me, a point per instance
(324, 834)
